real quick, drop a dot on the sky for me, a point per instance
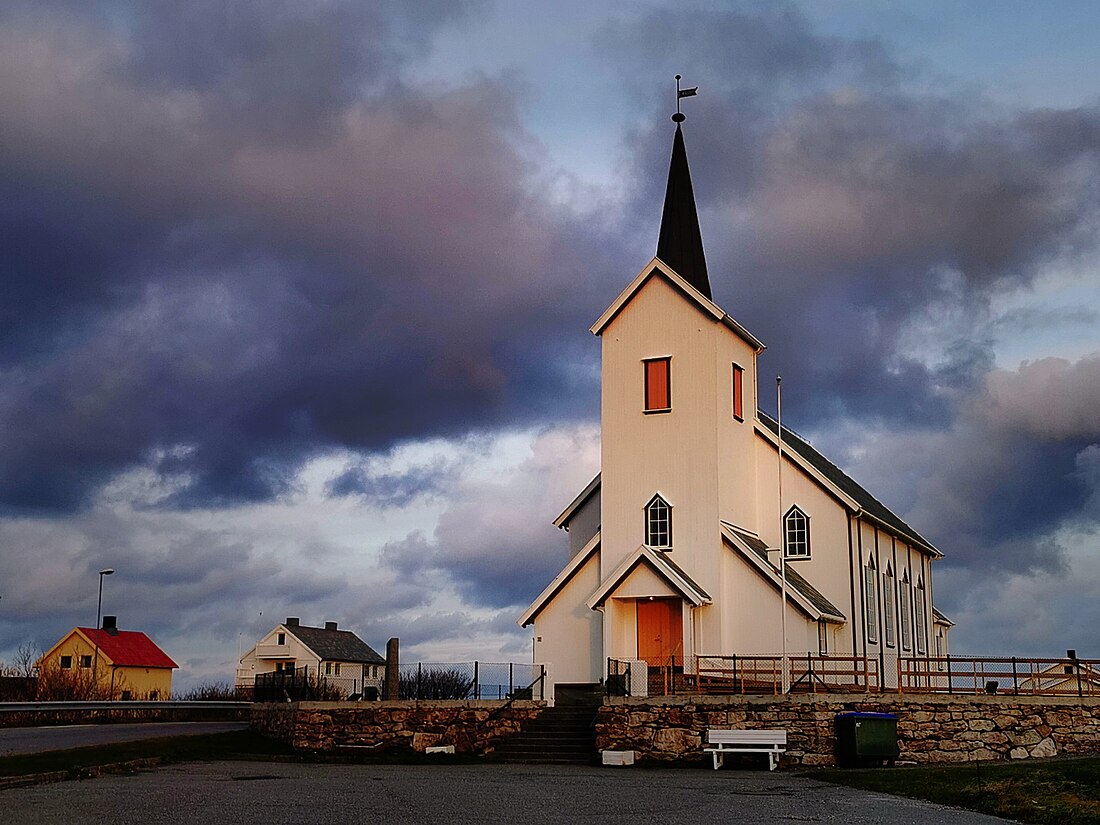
(295, 297)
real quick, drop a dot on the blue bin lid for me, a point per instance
(865, 715)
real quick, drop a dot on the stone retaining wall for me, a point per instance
(930, 728)
(471, 726)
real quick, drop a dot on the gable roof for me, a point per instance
(567, 514)
(660, 564)
(335, 645)
(939, 618)
(868, 504)
(127, 648)
(804, 594)
(680, 243)
(660, 269)
(560, 580)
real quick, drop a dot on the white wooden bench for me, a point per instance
(771, 742)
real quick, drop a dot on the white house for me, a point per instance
(674, 546)
(326, 651)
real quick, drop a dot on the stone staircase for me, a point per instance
(564, 734)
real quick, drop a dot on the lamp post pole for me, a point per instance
(98, 611)
(785, 676)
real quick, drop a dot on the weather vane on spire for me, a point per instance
(680, 94)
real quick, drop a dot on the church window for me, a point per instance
(796, 534)
(738, 393)
(870, 583)
(658, 523)
(920, 609)
(888, 606)
(906, 615)
(658, 385)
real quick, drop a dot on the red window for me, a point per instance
(658, 390)
(738, 393)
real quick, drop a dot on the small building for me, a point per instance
(339, 656)
(127, 664)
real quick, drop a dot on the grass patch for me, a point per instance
(1062, 791)
(238, 744)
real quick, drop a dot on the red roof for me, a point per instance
(130, 648)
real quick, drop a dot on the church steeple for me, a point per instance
(680, 244)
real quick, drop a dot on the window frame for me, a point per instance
(906, 602)
(920, 606)
(870, 601)
(86, 662)
(646, 362)
(888, 606)
(66, 663)
(658, 499)
(280, 639)
(738, 392)
(795, 510)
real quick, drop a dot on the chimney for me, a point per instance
(291, 621)
(110, 624)
(330, 625)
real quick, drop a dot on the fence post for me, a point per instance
(735, 676)
(1077, 667)
(511, 665)
(950, 682)
(419, 674)
(1015, 685)
(810, 664)
(477, 691)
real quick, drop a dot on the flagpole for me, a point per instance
(785, 664)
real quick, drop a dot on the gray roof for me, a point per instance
(794, 579)
(335, 645)
(871, 505)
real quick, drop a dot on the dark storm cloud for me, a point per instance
(370, 263)
(840, 201)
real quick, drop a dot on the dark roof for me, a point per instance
(794, 579)
(680, 244)
(128, 648)
(939, 617)
(335, 645)
(871, 505)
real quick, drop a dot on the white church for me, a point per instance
(705, 534)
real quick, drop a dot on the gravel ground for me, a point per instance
(276, 793)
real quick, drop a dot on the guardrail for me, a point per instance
(36, 707)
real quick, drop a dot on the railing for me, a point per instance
(810, 673)
(471, 680)
(807, 674)
(167, 704)
(982, 674)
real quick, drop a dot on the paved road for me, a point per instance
(60, 737)
(278, 793)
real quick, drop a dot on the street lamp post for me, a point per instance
(98, 611)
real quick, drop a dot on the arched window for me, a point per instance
(796, 534)
(870, 584)
(658, 523)
(921, 606)
(888, 605)
(906, 614)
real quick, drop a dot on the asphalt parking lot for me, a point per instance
(61, 737)
(277, 793)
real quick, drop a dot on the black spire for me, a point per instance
(680, 244)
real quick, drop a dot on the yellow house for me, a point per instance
(127, 664)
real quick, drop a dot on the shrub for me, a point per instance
(434, 683)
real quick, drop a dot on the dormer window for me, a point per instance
(796, 534)
(658, 385)
(658, 524)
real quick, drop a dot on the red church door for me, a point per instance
(660, 631)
